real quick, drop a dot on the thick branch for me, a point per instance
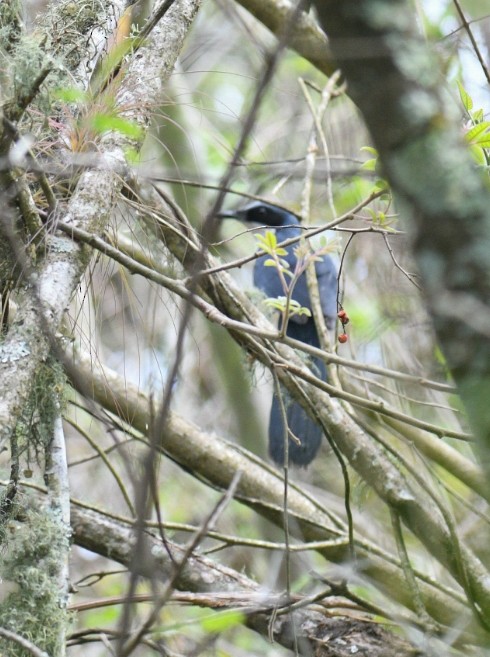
(306, 38)
(90, 208)
(108, 538)
(214, 460)
(415, 507)
(396, 83)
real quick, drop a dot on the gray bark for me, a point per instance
(444, 199)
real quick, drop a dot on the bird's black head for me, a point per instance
(261, 213)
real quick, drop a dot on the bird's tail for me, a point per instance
(306, 430)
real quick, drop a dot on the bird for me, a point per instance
(300, 326)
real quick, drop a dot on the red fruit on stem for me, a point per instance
(343, 317)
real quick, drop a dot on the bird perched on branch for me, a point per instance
(300, 324)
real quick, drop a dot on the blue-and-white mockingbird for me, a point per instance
(299, 327)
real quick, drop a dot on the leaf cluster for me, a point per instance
(477, 134)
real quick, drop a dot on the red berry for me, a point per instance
(343, 317)
(343, 338)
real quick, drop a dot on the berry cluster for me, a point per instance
(344, 320)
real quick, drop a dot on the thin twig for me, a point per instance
(469, 31)
(102, 454)
(218, 509)
(407, 568)
(411, 277)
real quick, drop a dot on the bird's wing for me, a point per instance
(267, 278)
(326, 274)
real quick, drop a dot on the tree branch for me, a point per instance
(395, 81)
(90, 208)
(106, 537)
(215, 461)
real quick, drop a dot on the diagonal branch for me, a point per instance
(416, 509)
(307, 38)
(102, 535)
(90, 207)
(215, 461)
(395, 80)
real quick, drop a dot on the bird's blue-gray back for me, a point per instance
(308, 433)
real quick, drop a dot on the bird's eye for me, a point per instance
(261, 210)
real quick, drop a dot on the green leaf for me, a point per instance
(108, 122)
(262, 244)
(478, 155)
(369, 165)
(222, 621)
(369, 149)
(270, 263)
(70, 95)
(296, 309)
(380, 185)
(270, 239)
(473, 133)
(477, 115)
(109, 63)
(268, 243)
(279, 303)
(465, 97)
(132, 155)
(483, 141)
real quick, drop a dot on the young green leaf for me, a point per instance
(271, 239)
(477, 115)
(465, 98)
(295, 308)
(279, 303)
(380, 185)
(483, 141)
(370, 150)
(478, 155)
(476, 133)
(369, 165)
